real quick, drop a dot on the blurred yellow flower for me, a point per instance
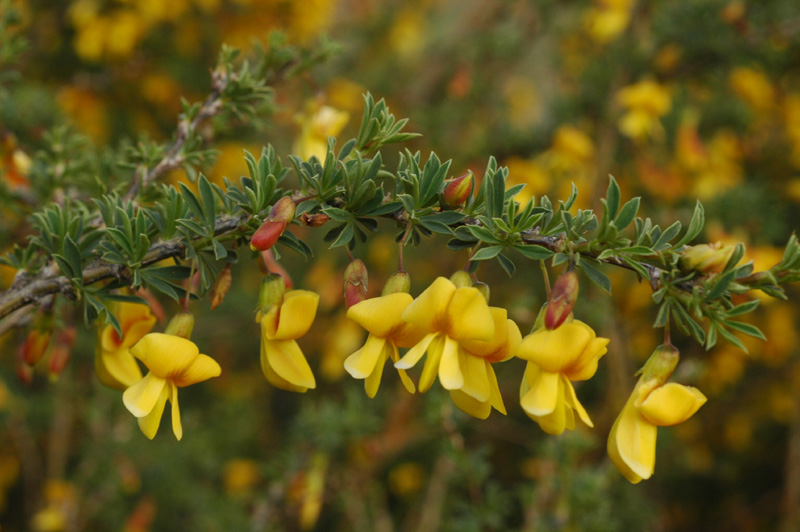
(113, 362)
(282, 361)
(381, 317)
(529, 173)
(608, 19)
(645, 103)
(173, 362)
(632, 441)
(753, 87)
(318, 122)
(555, 358)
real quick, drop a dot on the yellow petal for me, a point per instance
(495, 398)
(296, 315)
(202, 368)
(468, 316)
(272, 377)
(135, 320)
(632, 444)
(165, 355)
(586, 366)
(476, 379)
(141, 398)
(177, 427)
(117, 369)
(449, 368)
(373, 380)
(560, 419)
(363, 362)
(431, 367)
(408, 335)
(428, 309)
(381, 316)
(470, 405)
(410, 359)
(288, 362)
(572, 402)
(109, 339)
(542, 397)
(498, 347)
(671, 404)
(149, 424)
(555, 350)
(404, 378)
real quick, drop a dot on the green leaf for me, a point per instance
(596, 276)
(507, 264)
(668, 234)
(72, 255)
(627, 214)
(487, 253)
(612, 198)
(209, 207)
(695, 225)
(721, 284)
(345, 236)
(534, 252)
(729, 336)
(745, 328)
(744, 308)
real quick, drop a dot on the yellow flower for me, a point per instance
(113, 363)
(454, 319)
(645, 102)
(632, 441)
(555, 358)
(173, 362)
(480, 391)
(282, 361)
(381, 317)
(318, 122)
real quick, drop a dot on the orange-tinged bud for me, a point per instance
(355, 283)
(35, 345)
(457, 191)
(181, 325)
(398, 282)
(562, 298)
(314, 220)
(266, 235)
(283, 210)
(221, 287)
(273, 288)
(24, 372)
(461, 279)
(59, 358)
(661, 364)
(706, 258)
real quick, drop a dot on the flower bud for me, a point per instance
(283, 210)
(221, 286)
(181, 325)
(483, 288)
(706, 258)
(562, 298)
(397, 282)
(35, 345)
(24, 372)
(661, 364)
(314, 220)
(266, 235)
(457, 191)
(273, 287)
(59, 358)
(461, 279)
(355, 283)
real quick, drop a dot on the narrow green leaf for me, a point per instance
(745, 328)
(487, 253)
(627, 214)
(612, 198)
(507, 264)
(534, 252)
(695, 225)
(668, 234)
(597, 277)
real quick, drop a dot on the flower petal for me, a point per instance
(468, 316)
(557, 349)
(287, 361)
(431, 367)
(632, 444)
(135, 320)
(428, 309)
(410, 359)
(296, 315)
(272, 377)
(381, 316)
(177, 426)
(449, 367)
(201, 369)
(476, 379)
(141, 398)
(671, 404)
(560, 419)
(572, 402)
(495, 398)
(117, 369)
(373, 380)
(363, 362)
(542, 397)
(470, 405)
(164, 354)
(404, 378)
(149, 424)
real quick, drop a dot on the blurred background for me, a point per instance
(680, 100)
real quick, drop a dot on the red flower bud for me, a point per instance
(355, 283)
(562, 298)
(35, 345)
(457, 191)
(266, 235)
(59, 358)
(283, 210)
(221, 286)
